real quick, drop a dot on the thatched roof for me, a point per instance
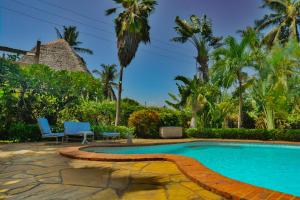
(58, 55)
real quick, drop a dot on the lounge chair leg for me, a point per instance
(84, 141)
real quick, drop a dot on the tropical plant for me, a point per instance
(132, 28)
(71, 35)
(108, 75)
(199, 33)
(230, 61)
(196, 95)
(276, 87)
(282, 23)
(225, 108)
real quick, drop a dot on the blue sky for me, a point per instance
(150, 76)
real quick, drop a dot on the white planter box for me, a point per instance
(170, 132)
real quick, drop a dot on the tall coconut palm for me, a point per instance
(70, 34)
(283, 20)
(229, 63)
(108, 75)
(199, 33)
(132, 28)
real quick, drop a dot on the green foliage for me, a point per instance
(95, 112)
(247, 134)
(37, 91)
(21, 132)
(146, 123)
(169, 118)
(123, 130)
(108, 76)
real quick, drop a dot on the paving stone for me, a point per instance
(84, 164)
(50, 180)
(11, 184)
(56, 191)
(21, 189)
(144, 192)
(179, 178)
(202, 193)
(107, 194)
(92, 177)
(178, 192)
(119, 179)
(22, 176)
(160, 167)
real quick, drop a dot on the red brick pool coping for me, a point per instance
(197, 172)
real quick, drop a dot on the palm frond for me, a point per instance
(59, 35)
(110, 11)
(83, 50)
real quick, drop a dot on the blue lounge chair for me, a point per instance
(113, 135)
(82, 129)
(46, 130)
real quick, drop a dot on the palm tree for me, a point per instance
(199, 33)
(70, 34)
(108, 75)
(229, 63)
(284, 20)
(193, 94)
(132, 28)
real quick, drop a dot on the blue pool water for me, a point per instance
(275, 167)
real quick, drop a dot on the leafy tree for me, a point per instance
(70, 34)
(282, 22)
(229, 63)
(108, 75)
(132, 28)
(199, 33)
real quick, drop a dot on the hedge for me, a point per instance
(248, 134)
(21, 132)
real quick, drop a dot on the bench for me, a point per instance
(82, 129)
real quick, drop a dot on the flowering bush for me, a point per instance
(146, 123)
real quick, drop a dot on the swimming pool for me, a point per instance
(275, 167)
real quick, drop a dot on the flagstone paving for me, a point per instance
(37, 171)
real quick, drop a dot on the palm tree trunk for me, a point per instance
(194, 120)
(203, 69)
(270, 121)
(118, 106)
(240, 117)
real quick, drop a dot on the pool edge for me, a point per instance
(193, 169)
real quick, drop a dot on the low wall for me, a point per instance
(170, 132)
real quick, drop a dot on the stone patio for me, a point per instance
(37, 171)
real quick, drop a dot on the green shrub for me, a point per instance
(169, 118)
(21, 132)
(248, 134)
(123, 130)
(146, 123)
